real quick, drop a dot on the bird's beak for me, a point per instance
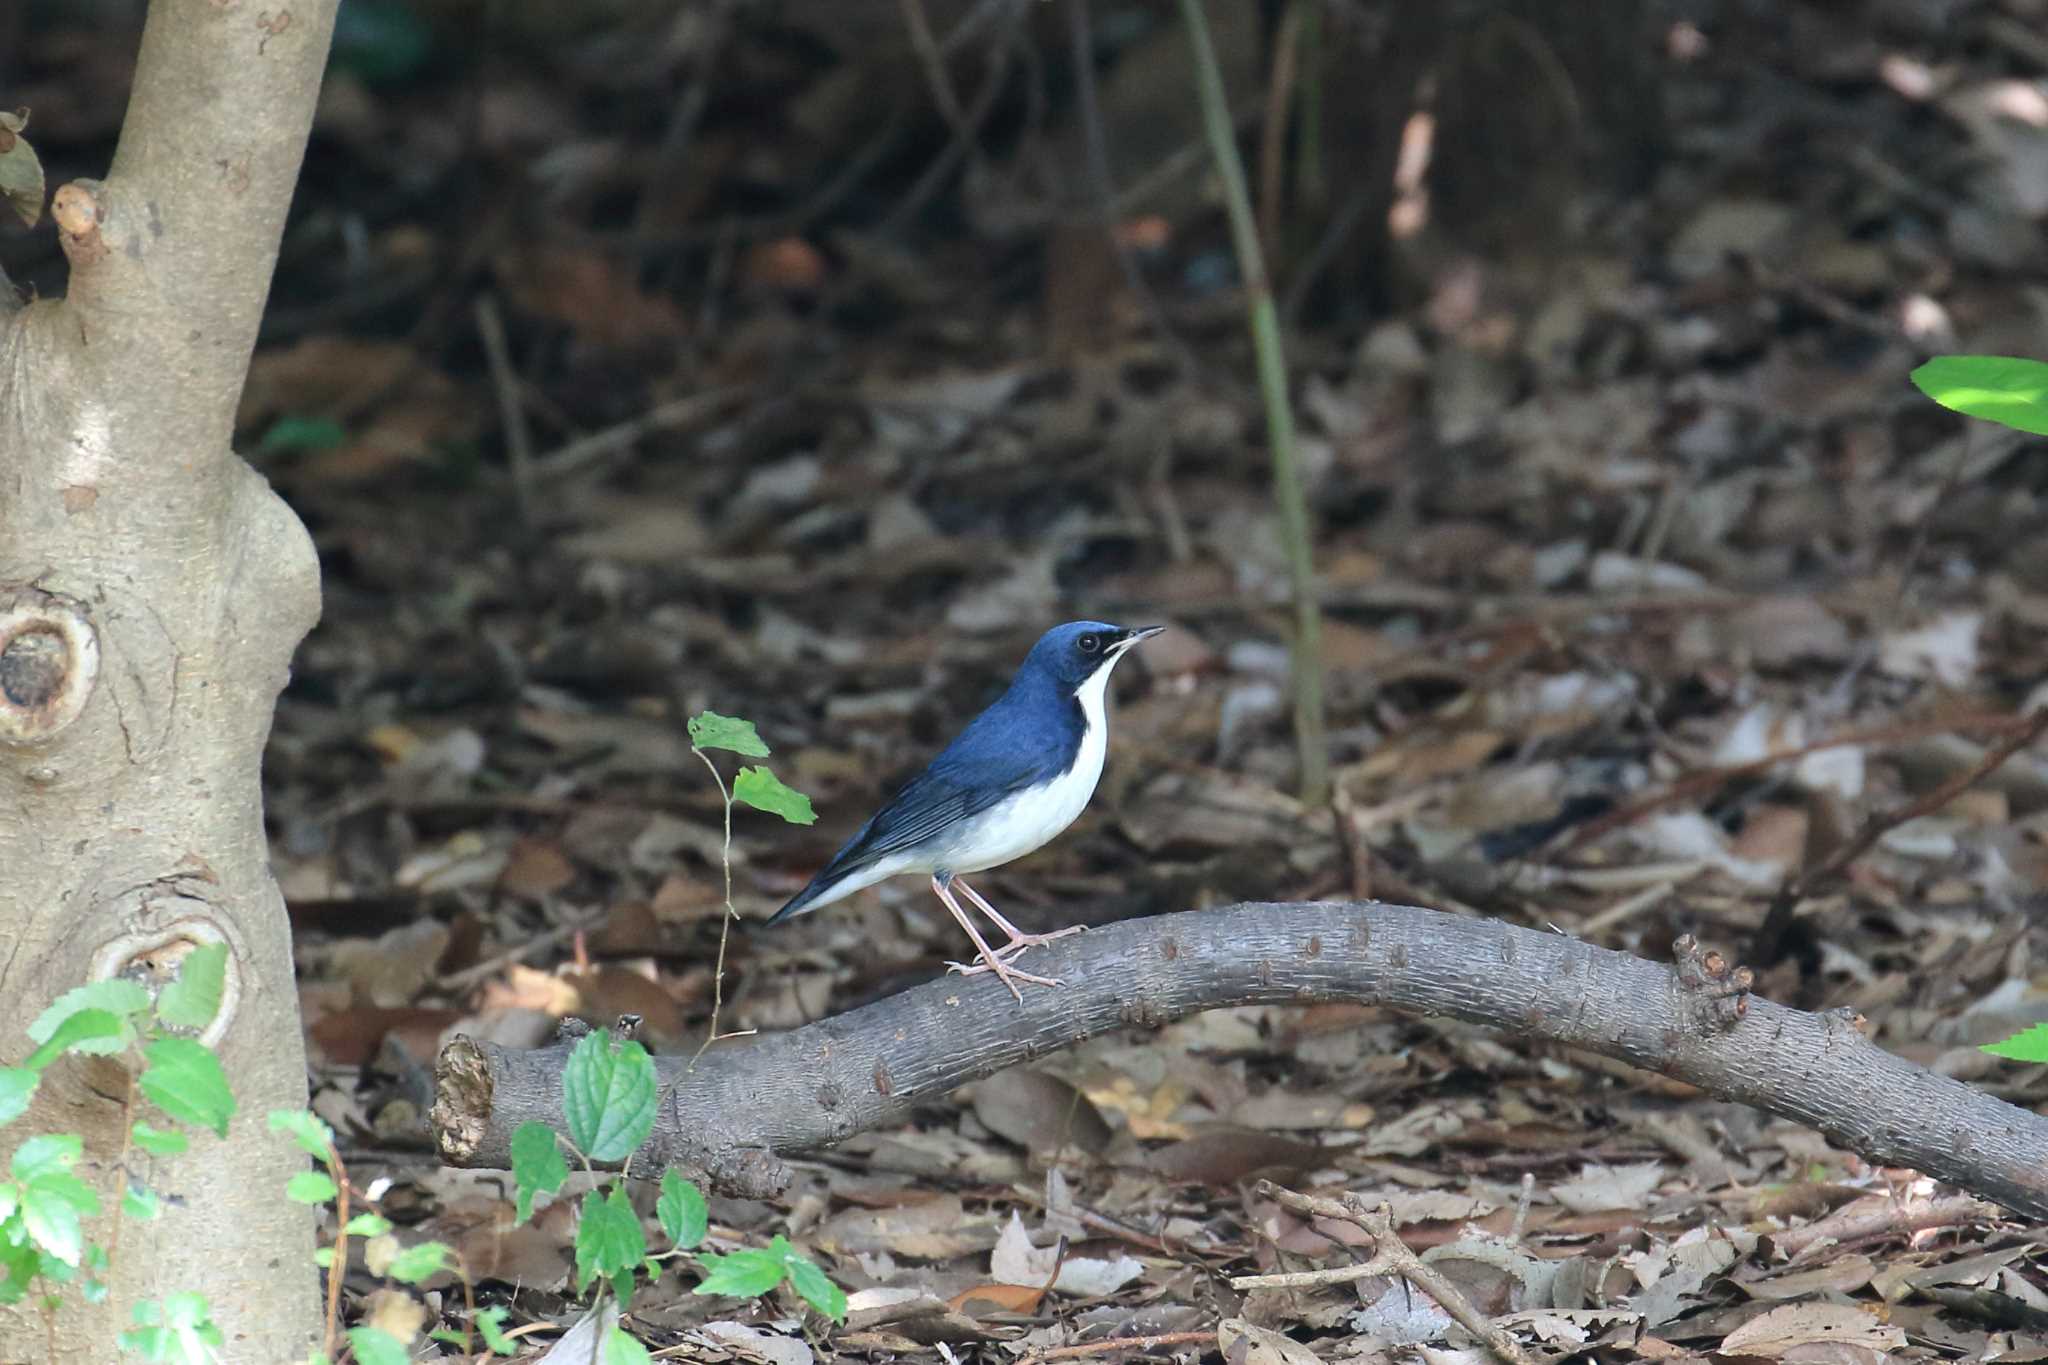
(1134, 635)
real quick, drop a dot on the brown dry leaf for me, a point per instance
(605, 994)
(396, 1312)
(527, 988)
(1281, 1110)
(1776, 1335)
(1844, 1275)
(535, 867)
(933, 1230)
(1224, 1156)
(591, 293)
(1425, 757)
(1148, 1115)
(1039, 1112)
(1000, 1298)
(351, 1037)
(391, 969)
(1244, 1344)
(1772, 834)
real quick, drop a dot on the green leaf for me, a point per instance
(193, 997)
(311, 1187)
(10, 1200)
(82, 1031)
(608, 1096)
(709, 730)
(293, 435)
(681, 1209)
(368, 1225)
(323, 1257)
(537, 1165)
(415, 1263)
(17, 1088)
(763, 790)
(306, 1128)
(622, 1349)
(2028, 1045)
(185, 1081)
(608, 1239)
(2004, 389)
(17, 1262)
(158, 1141)
(817, 1290)
(21, 174)
(116, 996)
(46, 1154)
(375, 1346)
(491, 1323)
(51, 1209)
(742, 1275)
(139, 1202)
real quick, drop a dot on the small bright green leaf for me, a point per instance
(323, 1257)
(21, 173)
(763, 790)
(185, 1081)
(310, 1187)
(17, 1261)
(491, 1323)
(709, 730)
(10, 1200)
(82, 1031)
(368, 1225)
(2004, 389)
(621, 1349)
(116, 996)
(742, 1275)
(306, 1128)
(293, 435)
(140, 1202)
(46, 1154)
(52, 1219)
(537, 1165)
(415, 1263)
(193, 997)
(17, 1088)
(158, 1141)
(2028, 1045)
(375, 1346)
(608, 1239)
(681, 1209)
(94, 1291)
(608, 1096)
(816, 1288)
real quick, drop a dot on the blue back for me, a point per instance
(1026, 737)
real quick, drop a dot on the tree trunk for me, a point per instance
(152, 590)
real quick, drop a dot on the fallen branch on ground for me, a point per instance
(749, 1100)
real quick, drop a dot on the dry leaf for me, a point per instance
(1776, 1334)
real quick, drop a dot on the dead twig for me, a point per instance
(1854, 1224)
(1770, 935)
(1390, 1255)
(1108, 1345)
(511, 406)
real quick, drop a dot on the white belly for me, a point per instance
(1026, 822)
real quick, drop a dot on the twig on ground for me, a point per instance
(1857, 1225)
(1390, 1255)
(511, 406)
(677, 414)
(1108, 1345)
(1770, 935)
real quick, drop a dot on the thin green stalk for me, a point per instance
(1308, 129)
(1287, 490)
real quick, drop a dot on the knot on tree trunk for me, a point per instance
(49, 662)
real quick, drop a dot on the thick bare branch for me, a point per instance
(814, 1086)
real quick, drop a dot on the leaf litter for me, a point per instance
(1625, 526)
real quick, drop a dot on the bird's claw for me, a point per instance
(1003, 969)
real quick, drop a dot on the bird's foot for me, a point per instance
(1000, 965)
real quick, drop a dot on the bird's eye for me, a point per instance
(1088, 644)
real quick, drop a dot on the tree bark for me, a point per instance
(152, 590)
(748, 1100)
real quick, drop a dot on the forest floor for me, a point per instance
(1648, 578)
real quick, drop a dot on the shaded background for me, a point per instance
(841, 349)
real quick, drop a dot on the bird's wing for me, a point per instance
(979, 769)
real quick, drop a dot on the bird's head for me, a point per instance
(1073, 653)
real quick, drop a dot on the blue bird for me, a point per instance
(1017, 775)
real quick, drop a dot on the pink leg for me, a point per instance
(1019, 940)
(989, 961)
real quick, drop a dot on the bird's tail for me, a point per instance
(801, 901)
